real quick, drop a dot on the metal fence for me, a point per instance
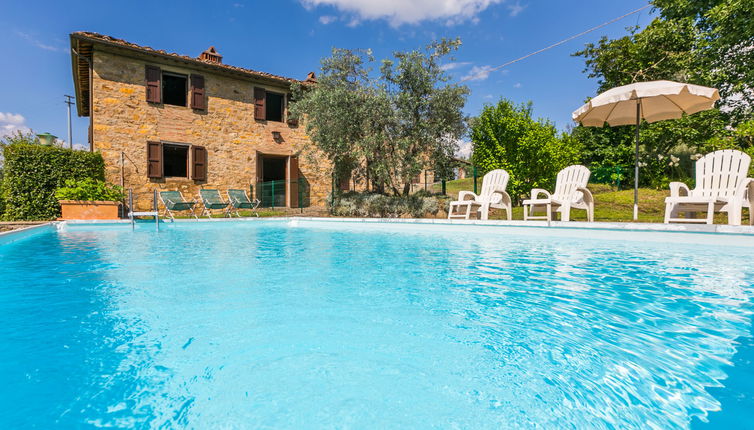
(610, 175)
(273, 194)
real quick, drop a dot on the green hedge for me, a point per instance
(89, 189)
(32, 173)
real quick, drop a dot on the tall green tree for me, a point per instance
(385, 126)
(725, 46)
(669, 48)
(505, 136)
(659, 51)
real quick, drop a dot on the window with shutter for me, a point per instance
(154, 160)
(199, 163)
(153, 85)
(175, 160)
(260, 110)
(274, 106)
(198, 98)
(174, 89)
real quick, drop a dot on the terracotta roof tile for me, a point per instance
(96, 37)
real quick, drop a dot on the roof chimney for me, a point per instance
(311, 77)
(211, 55)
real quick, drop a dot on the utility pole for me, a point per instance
(69, 102)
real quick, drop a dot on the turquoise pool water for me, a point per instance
(278, 325)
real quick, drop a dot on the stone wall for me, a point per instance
(123, 122)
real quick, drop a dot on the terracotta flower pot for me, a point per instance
(84, 209)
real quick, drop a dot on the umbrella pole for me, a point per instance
(636, 162)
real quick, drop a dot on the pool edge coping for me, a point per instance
(722, 229)
(19, 233)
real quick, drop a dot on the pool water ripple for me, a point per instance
(267, 325)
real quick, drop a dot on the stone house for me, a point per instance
(171, 122)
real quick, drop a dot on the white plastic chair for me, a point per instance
(570, 193)
(721, 186)
(493, 195)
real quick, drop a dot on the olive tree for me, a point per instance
(384, 125)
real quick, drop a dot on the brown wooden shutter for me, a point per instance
(154, 160)
(260, 170)
(260, 108)
(152, 77)
(293, 175)
(198, 99)
(199, 163)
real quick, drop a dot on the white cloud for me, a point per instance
(454, 65)
(12, 122)
(464, 149)
(327, 19)
(12, 118)
(515, 8)
(64, 144)
(478, 73)
(398, 12)
(517, 85)
(31, 39)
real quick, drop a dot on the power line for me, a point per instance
(69, 102)
(494, 69)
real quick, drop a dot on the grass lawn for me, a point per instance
(609, 204)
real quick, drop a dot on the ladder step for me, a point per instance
(152, 213)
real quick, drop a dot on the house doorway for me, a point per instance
(271, 180)
(273, 169)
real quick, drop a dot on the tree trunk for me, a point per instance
(407, 188)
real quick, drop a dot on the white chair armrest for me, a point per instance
(463, 195)
(745, 192)
(679, 189)
(586, 195)
(535, 192)
(498, 195)
(505, 198)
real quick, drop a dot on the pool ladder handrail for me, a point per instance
(131, 214)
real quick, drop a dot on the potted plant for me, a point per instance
(89, 199)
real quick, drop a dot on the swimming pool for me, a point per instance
(277, 324)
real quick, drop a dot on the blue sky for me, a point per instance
(288, 37)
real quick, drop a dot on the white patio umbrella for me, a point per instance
(652, 101)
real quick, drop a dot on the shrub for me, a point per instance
(505, 136)
(417, 205)
(32, 174)
(89, 189)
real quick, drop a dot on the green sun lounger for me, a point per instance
(174, 202)
(240, 200)
(211, 200)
